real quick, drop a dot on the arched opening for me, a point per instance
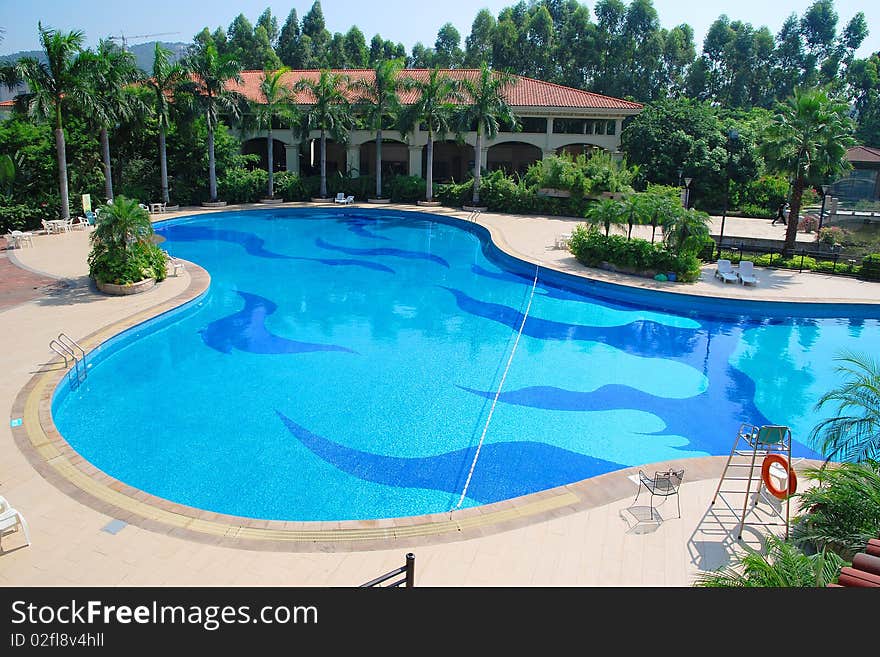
(395, 158)
(336, 161)
(512, 157)
(452, 161)
(257, 146)
(578, 149)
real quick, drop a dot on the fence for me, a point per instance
(829, 261)
(408, 570)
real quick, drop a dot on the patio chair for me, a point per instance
(746, 273)
(340, 198)
(11, 520)
(663, 484)
(724, 271)
(176, 264)
(79, 222)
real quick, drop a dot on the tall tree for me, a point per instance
(278, 103)
(109, 69)
(264, 54)
(165, 76)
(269, 23)
(377, 50)
(381, 104)
(808, 141)
(355, 46)
(52, 86)
(211, 72)
(421, 57)
(434, 108)
(315, 29)
(289, 49)
(447, 53)
(478, 44)
(328, 112)
(242, 44)
(487, 107)
(864, 81)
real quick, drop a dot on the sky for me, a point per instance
(402, 21)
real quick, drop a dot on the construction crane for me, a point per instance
(124, 39)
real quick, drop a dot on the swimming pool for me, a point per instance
(344, 362)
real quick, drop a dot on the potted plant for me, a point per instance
(124, 259)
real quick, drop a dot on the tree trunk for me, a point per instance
(793, 213)
(62, 173)
(212, 172)
(108, 172)
(429, 184)
(477, 162)
(379, 163)
(269, 149)
(323, 165)
(163, 164)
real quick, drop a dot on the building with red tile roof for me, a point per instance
(553, 118)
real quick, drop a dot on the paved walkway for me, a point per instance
(612, 543)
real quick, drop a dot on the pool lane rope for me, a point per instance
(467, 482)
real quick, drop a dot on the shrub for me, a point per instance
(405, 189)
(871, 267)
(592, 248)
(830, 235)
(749, 210)
(290, 187)
(243, 185)
(764, 195)
(122, 248)
(19, 216)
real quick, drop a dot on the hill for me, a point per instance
(143, 53)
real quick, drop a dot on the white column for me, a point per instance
(547, 152)
(484, 158)
(291, 152)
(353, 160)
(415, 160)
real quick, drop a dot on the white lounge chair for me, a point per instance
(340, 198)
(175, 263)
(746, 273)
(11, 520)
(724, 271)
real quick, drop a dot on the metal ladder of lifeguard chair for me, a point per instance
(750, 443)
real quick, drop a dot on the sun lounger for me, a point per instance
(746, 273)
(724, 271)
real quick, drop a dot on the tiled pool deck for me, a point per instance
(582, 534)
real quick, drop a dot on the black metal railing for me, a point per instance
(408, 570)
(739, 251)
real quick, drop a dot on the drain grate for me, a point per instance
(114, 526)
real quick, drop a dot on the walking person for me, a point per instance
(780, 214)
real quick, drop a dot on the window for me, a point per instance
(600, 127)
(611, 127)
(533, 124)
(568, 126)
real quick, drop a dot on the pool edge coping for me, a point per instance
(52, 456)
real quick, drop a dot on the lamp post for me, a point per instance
(825, 189)
(732, 136)
(687, 192)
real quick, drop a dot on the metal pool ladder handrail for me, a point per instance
(66, 346)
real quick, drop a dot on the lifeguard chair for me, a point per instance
(772, 445)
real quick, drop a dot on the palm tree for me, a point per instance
(842, 512)
(330, 112)
(278, 103)
(381, 104)
(123, 223)
(606, 211)
(211, 72)
(434, 108)
(165, 77)
(488, 109)
(783, 565)
(109, 69)
(53, 85)
(854, 433)
(808, 139)
(685, 231)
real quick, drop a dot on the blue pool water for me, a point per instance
(344, 361)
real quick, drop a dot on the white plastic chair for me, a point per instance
(724, 271)
(340, 198)
(349, 200)
(746, 273)
(11, 520)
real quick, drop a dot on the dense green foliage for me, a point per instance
(593, 249)
(781, 565)
(842, 511)
(871, 267)
(122, 249)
